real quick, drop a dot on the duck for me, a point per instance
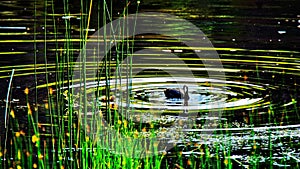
(177, 93)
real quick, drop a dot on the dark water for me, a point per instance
(257, 41)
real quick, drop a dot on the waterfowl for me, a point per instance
(177, 93)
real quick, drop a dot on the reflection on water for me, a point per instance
(258, 44)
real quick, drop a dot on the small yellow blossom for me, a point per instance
(125, 123)
(29, 112)
(151, 125)
(26, 91)
(136, 134)
(50, 91)
(17, 134)
(41, 156)
(226, 162)
(34, 165)
(34, 138)
(46, 106)
(113, 106)
(119, 122)
(12, 113)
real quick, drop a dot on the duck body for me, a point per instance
(173, 93)
(177, 93)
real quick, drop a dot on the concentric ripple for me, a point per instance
(148, 93)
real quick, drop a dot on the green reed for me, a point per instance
(63, 141)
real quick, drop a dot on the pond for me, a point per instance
(201, 84)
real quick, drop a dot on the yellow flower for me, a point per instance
(17, 134)
(136, 134)
(46, 106)
(65, 93)
(34, 138)
(19, 167)
(12, 113)
(26, 91)
(41, 156)
(189, 162)
(34, 165)
(113, 106)
(226, 162)
(29, 112)
(119, 122)
(50, 91)
(125, 123)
